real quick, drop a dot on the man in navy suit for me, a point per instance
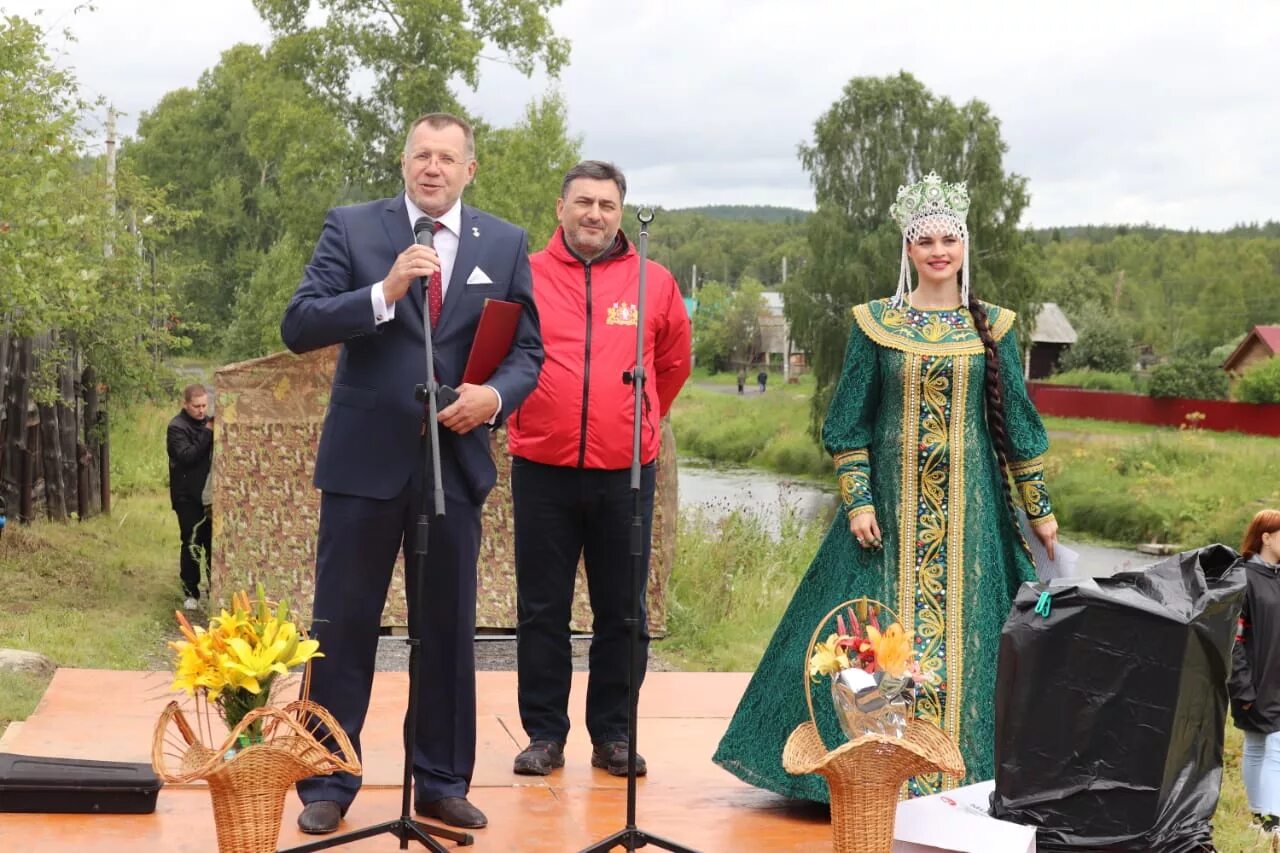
(369, 287)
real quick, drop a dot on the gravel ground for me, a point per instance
(493, 652)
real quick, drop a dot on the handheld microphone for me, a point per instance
(424, 232)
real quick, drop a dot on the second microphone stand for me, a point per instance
(631, 837)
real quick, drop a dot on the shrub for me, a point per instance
(1095, 380)
(1260, 383)
(1198, 379)
(1104, 342)
(796, 453)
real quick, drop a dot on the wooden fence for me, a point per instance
(53, 448)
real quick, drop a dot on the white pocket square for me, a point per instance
(479, 276)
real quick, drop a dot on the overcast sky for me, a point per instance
(1116, 111)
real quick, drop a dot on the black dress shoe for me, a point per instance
(455, 811)
(320, 817)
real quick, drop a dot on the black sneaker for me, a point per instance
(539, 758)
(612, 756)
(1270, 824)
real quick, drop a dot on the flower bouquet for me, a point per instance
(234, 666)
(873, 675)
(235, 662)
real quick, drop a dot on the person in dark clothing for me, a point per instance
(1255, 676)
(762, 377)
(189, 442)
(742, 379)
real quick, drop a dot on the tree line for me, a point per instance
(198, 235)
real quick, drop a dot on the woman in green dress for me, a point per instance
(929, 420)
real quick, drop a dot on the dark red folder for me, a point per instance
(494, 334)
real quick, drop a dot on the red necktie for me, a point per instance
(435, 290)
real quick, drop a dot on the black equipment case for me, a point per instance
(76, 786)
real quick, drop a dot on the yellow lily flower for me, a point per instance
(828, 657)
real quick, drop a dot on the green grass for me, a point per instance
(767, 430)
(1095, 380)
(729, 588)
(1188, 488)
(98, 593)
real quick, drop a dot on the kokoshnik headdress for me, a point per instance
(930, 207)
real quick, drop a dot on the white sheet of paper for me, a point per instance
(1063, 564)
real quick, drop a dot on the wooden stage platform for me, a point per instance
(111, 715)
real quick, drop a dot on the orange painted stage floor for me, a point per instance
(687, 799)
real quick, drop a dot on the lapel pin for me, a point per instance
(475, 232)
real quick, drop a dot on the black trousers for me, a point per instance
(195, 529)
(561, 514)
(355, 554)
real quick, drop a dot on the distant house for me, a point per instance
(1262, 343)
(776, 346)
(1052, 336)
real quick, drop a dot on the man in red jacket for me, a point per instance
(571, 446)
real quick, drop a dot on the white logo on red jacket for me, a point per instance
(622, 314)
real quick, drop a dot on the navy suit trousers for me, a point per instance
(358, 541)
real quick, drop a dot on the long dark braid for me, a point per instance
(995, 407)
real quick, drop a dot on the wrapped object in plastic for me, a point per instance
(1111, 700)
(872, 703)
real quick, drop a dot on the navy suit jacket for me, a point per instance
(369, 446)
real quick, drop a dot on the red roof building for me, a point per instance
(1262, 343)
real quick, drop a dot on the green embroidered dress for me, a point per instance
(907, 428)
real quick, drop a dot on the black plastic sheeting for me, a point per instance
(1110, 710)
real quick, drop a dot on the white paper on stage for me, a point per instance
(1063, 564)
(957, 822)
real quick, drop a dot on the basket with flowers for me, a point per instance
(873, 672)
(234, 667)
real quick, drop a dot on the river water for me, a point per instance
(770, 497)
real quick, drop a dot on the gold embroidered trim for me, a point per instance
(862, 510)
(1026, 466)
(955, 556)
(855, 456)
(907, 510)
(1036, 522)
(888, 329)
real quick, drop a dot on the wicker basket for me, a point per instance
(865, 775)
(248, 789)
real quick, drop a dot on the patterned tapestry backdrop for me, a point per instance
(265, 509)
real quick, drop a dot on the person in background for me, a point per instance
(571, 454)
(189, 442)
(742, 379)
(762, 377)
(1255, 671)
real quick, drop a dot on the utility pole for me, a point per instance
(786, 328)
(111, 173)
(693, 295)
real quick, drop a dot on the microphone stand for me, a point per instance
(631, 837)
(406, 827)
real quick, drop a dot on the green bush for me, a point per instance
(1260, 383)
(1095, 380)
(1194, 379)
(795, 453)
(1104, 342)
